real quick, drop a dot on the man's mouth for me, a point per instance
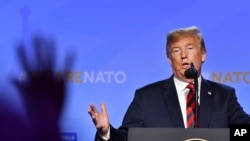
(185, 65)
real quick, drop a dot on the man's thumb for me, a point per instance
(103, 108)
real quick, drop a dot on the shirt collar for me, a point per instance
(181, 85)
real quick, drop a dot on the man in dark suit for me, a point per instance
(167, 103)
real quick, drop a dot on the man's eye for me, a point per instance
(175, 50)
(190, 47)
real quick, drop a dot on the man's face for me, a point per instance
(182, 53)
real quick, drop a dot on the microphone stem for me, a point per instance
(196, 124)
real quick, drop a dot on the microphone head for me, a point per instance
(191, 72)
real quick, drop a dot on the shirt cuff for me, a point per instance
(106, 137)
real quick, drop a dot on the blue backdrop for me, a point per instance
(119, 46)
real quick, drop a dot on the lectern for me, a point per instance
(178, 134)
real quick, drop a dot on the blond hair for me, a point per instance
(176, 34)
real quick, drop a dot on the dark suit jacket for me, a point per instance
(157, 105)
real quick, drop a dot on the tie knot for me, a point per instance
(190, 86)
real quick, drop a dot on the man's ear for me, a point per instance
(169, 61)
(203, 56)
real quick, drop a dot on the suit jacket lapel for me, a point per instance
(172, 103)
(206, 103)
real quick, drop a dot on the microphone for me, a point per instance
(191, 72)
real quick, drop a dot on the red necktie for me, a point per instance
(191, 103)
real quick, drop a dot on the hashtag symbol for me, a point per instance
(22, 76)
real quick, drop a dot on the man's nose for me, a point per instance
(183, 54)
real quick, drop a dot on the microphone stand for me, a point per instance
(192, 73)
(196, 124)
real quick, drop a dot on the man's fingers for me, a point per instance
(100, 119)
(93, 108)
(91, 113)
